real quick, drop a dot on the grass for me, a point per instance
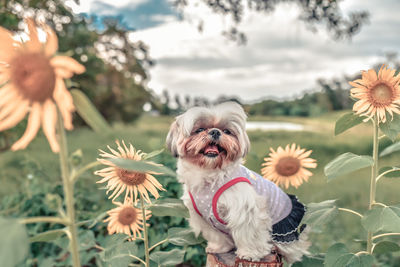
(351, 191)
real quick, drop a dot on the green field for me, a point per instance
(37, 164)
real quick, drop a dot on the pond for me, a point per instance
(273, 126)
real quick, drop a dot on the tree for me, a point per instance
(116, 68)
(313, 12)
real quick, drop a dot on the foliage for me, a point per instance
(338, 256)
(347, 121)
(319, 214)
(380, 221)
(115, 78)
(28, 176)
(391, 128)
(60, 228)
(49, 244)
(328, 96)
(312, 12)
(14, 245)
(346, 163)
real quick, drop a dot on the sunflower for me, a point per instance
(126, 219)
(31, 81)
(120, 180)
(377, 93)
(287, 166)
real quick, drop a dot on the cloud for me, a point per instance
(281, 59)
(102, 7)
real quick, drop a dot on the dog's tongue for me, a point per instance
(211, 149)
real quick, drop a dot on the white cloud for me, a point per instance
(86, 6)
(162, 18)
(282, 57)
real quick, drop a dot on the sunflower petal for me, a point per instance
(7, 94)
(7, 45)
(65, 103)
(49, 120)
(63, 73)
(15, 117)
(67, 63)
(31, 129)
(10, 107)
(33, 44)
(51, 45)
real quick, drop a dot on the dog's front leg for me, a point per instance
(217, 242)
(249, 221)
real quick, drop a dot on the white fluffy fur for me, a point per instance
(245, 212)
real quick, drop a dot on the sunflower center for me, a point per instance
(381, 94)
(127, 216)
(131, 177)
(33, 76)
(287, 166)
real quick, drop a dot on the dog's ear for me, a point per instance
(246, 144)
(172, 138)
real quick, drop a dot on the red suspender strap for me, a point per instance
(194, 204)
(221, 190)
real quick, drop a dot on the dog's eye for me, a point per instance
(226, 131)
(199, 130)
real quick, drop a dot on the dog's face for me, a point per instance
(210, 137)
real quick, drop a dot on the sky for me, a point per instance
(282, 57)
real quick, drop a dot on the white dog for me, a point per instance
(233, 207)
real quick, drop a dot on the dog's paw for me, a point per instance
(215, 248)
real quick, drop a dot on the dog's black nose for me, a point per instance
(215, 133)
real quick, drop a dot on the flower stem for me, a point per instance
(146, 238)
(351, 211)
(137, 258)
(68, 192)
(374, 173)
(386, 172)
(75, 174)
(157, 244)
(386, 234)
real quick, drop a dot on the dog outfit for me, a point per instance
(286, 211)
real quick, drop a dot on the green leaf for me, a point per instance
(169, 207)
(391, 128)
(168, 258)
(338, 256)
(395, 172)
(14, 243)
(89, 113)
(390, 149)
(142, 166)
(386, 247)
(385, 219)
(334, 252)
(86, 240)
(347, 121)
(47, 236)
(310, 261)
(346, 163)
(116, 251)
(352, 260)
(320, 213)
(182, 237)
(153, 154)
